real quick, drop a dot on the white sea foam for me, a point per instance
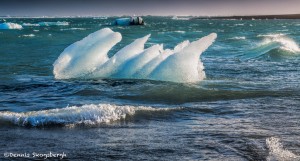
(182, 32)
(180, 18)
(278, 42)
(277, 152)
(58, 23)
(271, 35)
(101, 18)
(75, 115)
(8, 25)
(29, 35)
(72, 29)
(88, 59)
(239, 24)
(238, 38)
(30, 24)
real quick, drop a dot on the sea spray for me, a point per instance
(277, 152)
(285, 42)
(273, 44)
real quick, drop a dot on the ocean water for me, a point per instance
(246, 107)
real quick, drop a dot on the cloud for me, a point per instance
(152, 7)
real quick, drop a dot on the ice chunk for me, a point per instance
(88, 59)
(184, 66)
(8, 25)
(84, 56)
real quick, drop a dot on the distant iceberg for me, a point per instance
(88, 59)
(129, 21)
(9, 25)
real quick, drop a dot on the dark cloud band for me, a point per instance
(153, 7)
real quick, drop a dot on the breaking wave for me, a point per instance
(274, 45)
(277, 152)
(88, 59)
(87, 115)
(283, 42)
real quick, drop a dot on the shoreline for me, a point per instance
(246, 17)
(252, 17)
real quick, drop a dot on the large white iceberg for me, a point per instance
(88, 59)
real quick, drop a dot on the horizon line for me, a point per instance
(132, 15)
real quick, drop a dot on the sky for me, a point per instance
(147, 7)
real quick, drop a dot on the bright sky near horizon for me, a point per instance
(149, 7)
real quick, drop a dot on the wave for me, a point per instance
(277, 152)
(170, 32)
(182, 32)
(72, 29)
(239, 24)
(100, 18)
(8, 25)
(180, 18)
(86, 115)
(88, 59)
(285, 43)
(58, 23)
(238, 38)
(29, 35)
(30, 24)
(274, 45)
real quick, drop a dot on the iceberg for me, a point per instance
(9, 25)
(122, 21)
(88, 59)
(84, 56)
(129, 21)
